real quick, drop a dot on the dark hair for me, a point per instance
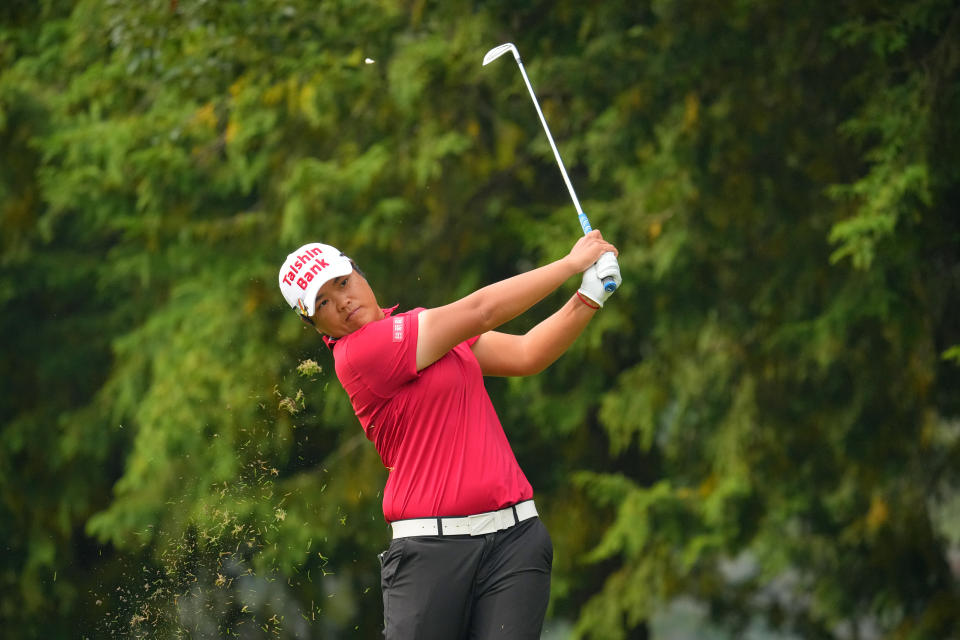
(357, 269)
(307, 318)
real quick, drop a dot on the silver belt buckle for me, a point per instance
(483, 523)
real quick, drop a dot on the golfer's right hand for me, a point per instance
(588, 250)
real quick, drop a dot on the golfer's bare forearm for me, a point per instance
(503, 301)
(486, 309)
(551, 338)
(504, 354)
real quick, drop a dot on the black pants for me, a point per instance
(467, 587)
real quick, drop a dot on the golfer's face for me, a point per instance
(345, 304)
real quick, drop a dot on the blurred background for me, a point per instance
(758, 436)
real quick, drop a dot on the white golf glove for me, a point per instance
(592, 285)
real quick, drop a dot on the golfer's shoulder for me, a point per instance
(384, 348)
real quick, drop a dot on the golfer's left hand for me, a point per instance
(592, 284)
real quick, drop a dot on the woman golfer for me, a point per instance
(469, 556)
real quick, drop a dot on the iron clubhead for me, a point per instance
(498, 51)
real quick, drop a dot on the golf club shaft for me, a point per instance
(584, 222)
(609, 283)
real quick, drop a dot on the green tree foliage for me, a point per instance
(797, 192)
(765, 417)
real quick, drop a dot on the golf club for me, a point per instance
(608, 283)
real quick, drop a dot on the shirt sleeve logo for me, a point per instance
(398, 329)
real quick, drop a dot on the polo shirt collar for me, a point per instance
(332, 342)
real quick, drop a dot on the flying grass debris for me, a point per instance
(293, 405)
(309, 367)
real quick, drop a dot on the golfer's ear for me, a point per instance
(308, 320)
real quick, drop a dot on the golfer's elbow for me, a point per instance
(538, 365)
(530, 360)
(487, 319)
(486, 312)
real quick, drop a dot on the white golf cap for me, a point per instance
(306, 270)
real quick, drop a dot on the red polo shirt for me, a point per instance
(436, 430)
